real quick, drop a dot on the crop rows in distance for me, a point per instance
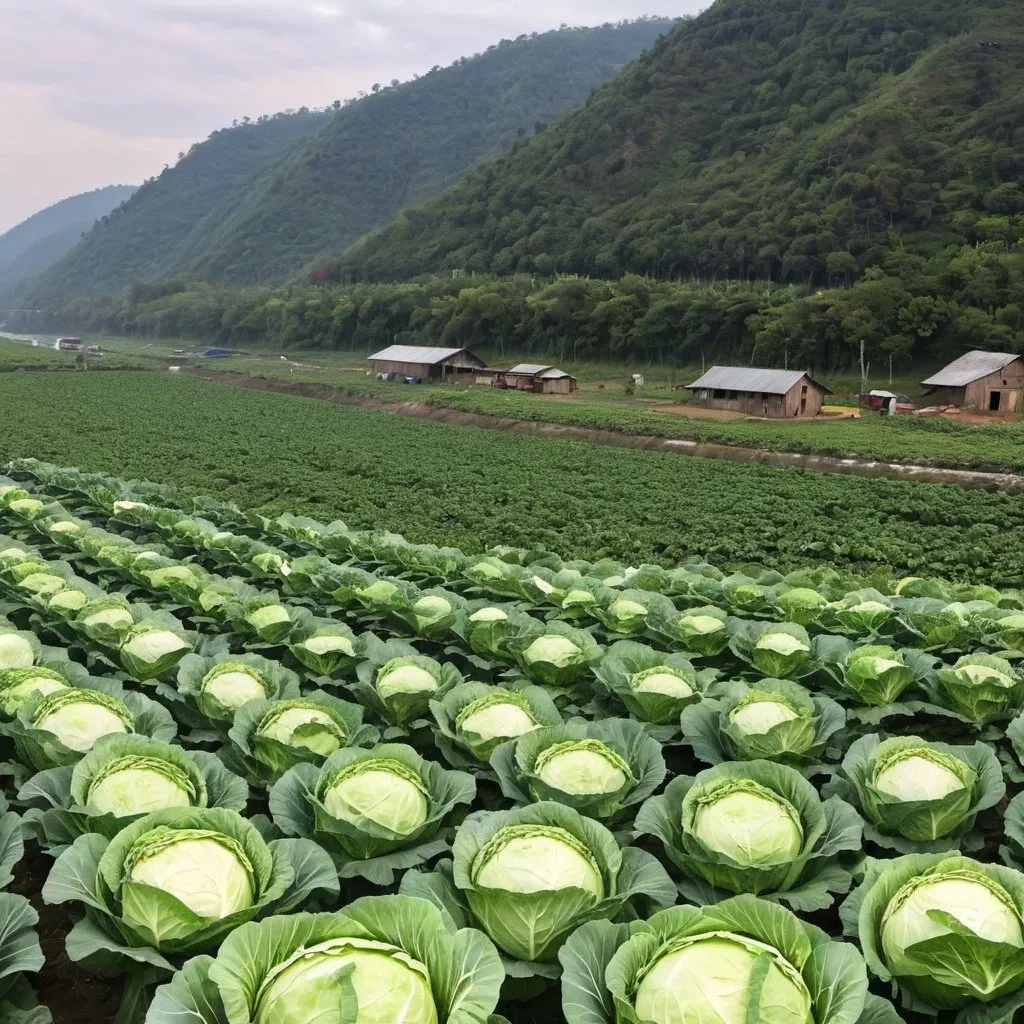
(463, 485)
(291, 771)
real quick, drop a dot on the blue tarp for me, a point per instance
(217, 352)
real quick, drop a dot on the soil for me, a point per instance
(991, 481)
(73, 996)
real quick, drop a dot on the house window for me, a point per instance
(721, 393)
(803, 390)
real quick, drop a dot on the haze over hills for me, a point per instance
(143, 240)
(796, 140)
(30, 247)
(257, 203)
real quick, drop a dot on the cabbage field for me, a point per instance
(278, 771)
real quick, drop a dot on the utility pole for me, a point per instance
(890, 369)
(863, 370)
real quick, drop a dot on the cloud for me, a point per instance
(108, 91)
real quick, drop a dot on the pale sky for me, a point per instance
(102, 92)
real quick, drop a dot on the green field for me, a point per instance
(603, 403)
(474, 488)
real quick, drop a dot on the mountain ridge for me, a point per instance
(351, 172)
(751, 142)
(39, 241)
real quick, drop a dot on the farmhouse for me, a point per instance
(428, 363)
(756, 392)
(989, 381)
(544, 380)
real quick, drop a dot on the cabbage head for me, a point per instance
(946, 930)
(529, 876)
(741, 960)
(270, 620)
(801, 605)
(559, 657)
(982, 687)
(474, 718)
(150, 649)
(17, 685)
(598, 768)
(323, 646)
(771, 719)
(756, 827)
(378, 960)
(269, 737)
(876, 674)
(373, 810)
(626, 611)
(397, 684)
(17, 650)
(1010, 630)
(219, 687)
(782, 651)
(701, 631)
(58, 728)
(121, 779)
(179, 880)
(908, 788)
(862, 613)
(107, 620)
(651, 685)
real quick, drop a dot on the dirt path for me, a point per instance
(1006, 482)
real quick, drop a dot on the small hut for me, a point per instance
(776, 394)
(426, 363)
(543, 380)
(985, 381)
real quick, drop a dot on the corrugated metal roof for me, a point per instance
(970, 367)
(529, 369)
(752, 378)
(537, 370)
(416, 354)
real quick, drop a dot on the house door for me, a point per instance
(993, 401)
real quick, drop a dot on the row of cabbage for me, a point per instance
(696, 817)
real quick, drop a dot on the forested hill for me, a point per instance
(145, 237)
(789, 139)
(256, 203)
(407, 143)
(38, 242)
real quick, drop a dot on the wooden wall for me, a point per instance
(753, 403)
(554, 386)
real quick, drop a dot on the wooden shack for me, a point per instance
(428, 363)
(778, 394)
(541, 379)
(982, 381)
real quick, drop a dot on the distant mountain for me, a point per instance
(144, 239)
(797, 140)
(405, 144)
(35, 244)
(252, 206)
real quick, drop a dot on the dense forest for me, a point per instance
(143, 238)
(794, 140)
(257, 202)
(914, 309)
(30, 247)
(405, 143)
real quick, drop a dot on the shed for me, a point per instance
(428, 363)
(988, 381)
(542, 379)
(774, 393)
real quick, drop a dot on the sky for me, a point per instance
(103, 92)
